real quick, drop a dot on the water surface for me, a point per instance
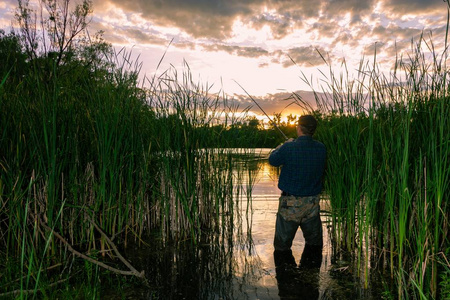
(242, 265)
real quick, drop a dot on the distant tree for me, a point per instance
(12, 59)
(55, 30)
(276, 120)
(56, 40)
(291, 119)
(253, 122)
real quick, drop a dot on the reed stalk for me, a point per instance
(138, 159)
(388, 171)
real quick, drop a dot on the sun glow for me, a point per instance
(243, 33)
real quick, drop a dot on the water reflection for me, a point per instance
(240, 262)
(302, 281)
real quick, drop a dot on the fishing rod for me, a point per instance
(274, 124)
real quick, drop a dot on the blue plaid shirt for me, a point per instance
(303, 166)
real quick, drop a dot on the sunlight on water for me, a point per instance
(260, 222)
(239, 264)
(256, 274)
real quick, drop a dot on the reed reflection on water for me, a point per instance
(303, 273)
(280, 275)
(241, 263)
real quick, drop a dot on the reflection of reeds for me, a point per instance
(388, 167)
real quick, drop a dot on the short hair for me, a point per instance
(308, 124)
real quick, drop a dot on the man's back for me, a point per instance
(303, 165)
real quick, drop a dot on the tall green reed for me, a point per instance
(96, 146)
(387, 139)
(195, 178)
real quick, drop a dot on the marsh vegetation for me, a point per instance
(92, 162)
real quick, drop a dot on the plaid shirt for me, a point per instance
(303, 166)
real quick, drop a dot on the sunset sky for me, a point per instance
(252, 41)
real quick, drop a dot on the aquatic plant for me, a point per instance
(91, 159)
(387, 137)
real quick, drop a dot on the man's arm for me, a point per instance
(276, 158)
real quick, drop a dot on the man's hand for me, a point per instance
(289, 140)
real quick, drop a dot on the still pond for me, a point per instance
(242, 265)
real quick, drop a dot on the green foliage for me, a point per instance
(445, 284)
(388, 168)
(12, 59)
(62, 29)
(79, 136)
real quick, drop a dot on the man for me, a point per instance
(303, 165)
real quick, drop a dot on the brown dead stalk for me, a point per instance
(131, 270)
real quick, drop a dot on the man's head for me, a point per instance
(307, 124)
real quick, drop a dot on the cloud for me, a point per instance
(142, 37)
(7, 4)
(345, 38)
(215, 18)
(208, 24)
(237, 50)
(393, 31)
(338, 8)
(271, 103)
(403, 7)
(282, 102)
(288, 30)
(373, 49)
(199, 18)
(280, 27)
(10, 4)
(304, 56)
(7, 14)
(308, 56)
(394, 40)
(324, 28)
